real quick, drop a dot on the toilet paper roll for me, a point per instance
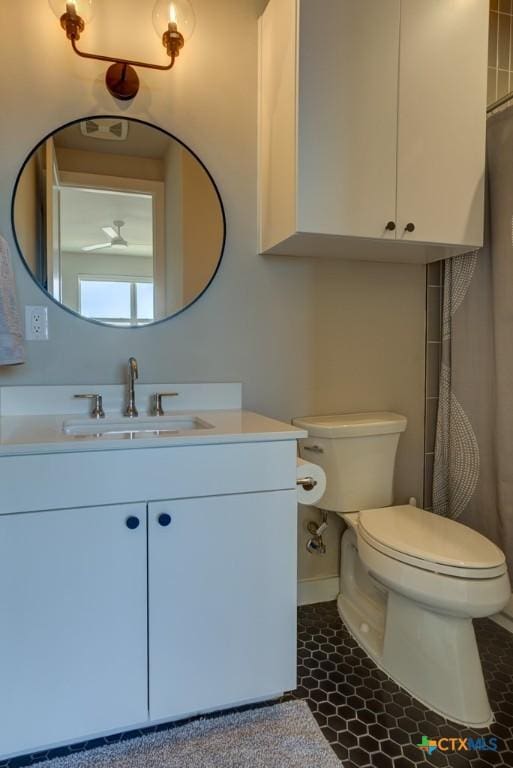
(305, 470)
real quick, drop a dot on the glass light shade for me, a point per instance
(84, 8)
(179, 12)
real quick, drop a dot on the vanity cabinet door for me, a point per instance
(73, 640)
(442, 101)
(222, 601)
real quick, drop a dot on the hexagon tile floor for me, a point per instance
(369, 720)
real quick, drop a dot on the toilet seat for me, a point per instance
(432, 543)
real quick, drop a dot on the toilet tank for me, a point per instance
(357, 451)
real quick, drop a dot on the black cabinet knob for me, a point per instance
(164, 520)
(132, 523)
(390, 226)
(410, 227)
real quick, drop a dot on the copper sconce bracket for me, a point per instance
(122, 80)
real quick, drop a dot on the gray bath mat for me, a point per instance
(281, 736)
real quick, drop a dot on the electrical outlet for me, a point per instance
(36, 323)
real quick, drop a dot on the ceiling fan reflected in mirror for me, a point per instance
(116, 238)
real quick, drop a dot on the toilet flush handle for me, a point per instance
(313, 448)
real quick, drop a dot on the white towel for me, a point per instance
(12, 349)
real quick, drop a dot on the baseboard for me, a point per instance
(508, 610)
(505, 618)
(317, 590)
(503, 621)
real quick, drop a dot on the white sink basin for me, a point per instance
(145, 427)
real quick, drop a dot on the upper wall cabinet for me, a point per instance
(372, 128)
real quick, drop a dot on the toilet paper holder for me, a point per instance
(308, 483)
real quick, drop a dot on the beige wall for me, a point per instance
(302, 335)
(105, 164)
(174, 227)
(27, 214)
(202, 228)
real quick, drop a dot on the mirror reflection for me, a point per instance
(118, 221)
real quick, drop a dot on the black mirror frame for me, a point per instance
(46, 292)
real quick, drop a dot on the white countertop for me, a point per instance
(38, 434)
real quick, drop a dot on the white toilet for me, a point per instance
(411, 582)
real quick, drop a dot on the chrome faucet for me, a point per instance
(133, 374)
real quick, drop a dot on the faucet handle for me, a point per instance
(157, 402)
(97, 412)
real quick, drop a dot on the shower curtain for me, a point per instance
(473, 476)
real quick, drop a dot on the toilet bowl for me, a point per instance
(411, 582)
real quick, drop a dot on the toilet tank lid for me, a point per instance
(353, 424)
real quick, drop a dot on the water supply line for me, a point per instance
(315, 544)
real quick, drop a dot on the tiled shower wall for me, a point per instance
(500, 58)
(433, 357)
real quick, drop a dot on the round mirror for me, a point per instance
(118, 221)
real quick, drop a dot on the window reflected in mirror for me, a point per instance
(118, 221)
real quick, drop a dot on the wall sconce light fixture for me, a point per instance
(173, 21)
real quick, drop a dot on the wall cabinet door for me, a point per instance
(73, 612)
(442, 97)
(347, 116)
(222, 601)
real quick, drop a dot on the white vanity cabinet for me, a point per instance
(73, 641)
(372, 143)
(119, 610)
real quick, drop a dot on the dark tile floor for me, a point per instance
(368, 719)
(371, 721)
